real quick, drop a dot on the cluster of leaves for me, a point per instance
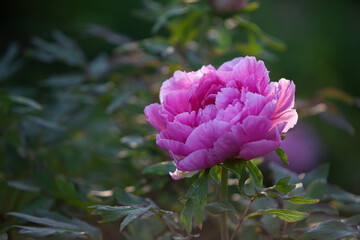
(301, 206)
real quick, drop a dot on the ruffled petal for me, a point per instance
(204, 136)
(251, 74)
(285, 96)
(290, 117)
(200, 159)
(259, 148)
(154, 116)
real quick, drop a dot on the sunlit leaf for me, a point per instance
(302, 200)
(286, 215)
(280, 152)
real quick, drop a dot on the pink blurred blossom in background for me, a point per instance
(303, 147)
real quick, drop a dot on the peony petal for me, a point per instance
(205, 135)
(227, 146)
(254, 104)
(186, 118)
(180, 81)
(207, 114)
(154, 116)
(208, 84)
(252, 74)
(176, 131)
(256, 127)
(199, 160)
(227, 96)
(176, 102)
(285, 96)
(259, 148)
(229, 65)
(176, 147)
(290, 117)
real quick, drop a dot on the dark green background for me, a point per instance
(323, 48)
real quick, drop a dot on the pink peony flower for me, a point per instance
(228, 5)
(208, 116)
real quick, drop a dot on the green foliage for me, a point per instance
(286, 215)
(283, 185)
(221, 207)
(64, 228)
(73, 128)
(162, 168)
(280, 152)
(331, 230)
(195, 202)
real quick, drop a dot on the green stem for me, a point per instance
(223, 197)
(242, 219)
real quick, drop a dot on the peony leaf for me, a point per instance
(317, 189)
(302, 200)
(8, 64)
(196, 198)
(330, 230)
(235, 165)
(125, 198)
(162, 168)
(187, 214)
(57, 225)
(221, 207)
(27, 102)
(280, 152)
(320, 173)
(255, 173)
(286, 215)
(23, 185)
(342, 195)
(66, 190)
(113, 213)
(283, 185)
(133, 215)
(238, 167)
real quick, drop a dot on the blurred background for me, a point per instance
(76, 75)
